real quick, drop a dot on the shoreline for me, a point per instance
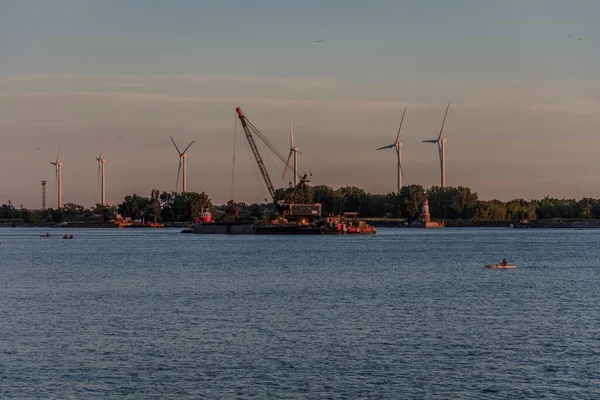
(377, 222)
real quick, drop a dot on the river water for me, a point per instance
(408, 313)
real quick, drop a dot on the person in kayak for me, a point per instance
(504, 262)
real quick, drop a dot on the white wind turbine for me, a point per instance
(398, 146)
(102, 175)
(293, 151)
(441, 142)
(182, 161)
(58, 177)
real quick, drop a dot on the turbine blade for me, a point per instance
(178, 170)
(444, 121)
(298, 151)
(58, 152)
(177, 148)
(287, 164)
(101, 146)
(430, 141)
(189, 145)
(402, 120)
(99, 174)
(387, 147)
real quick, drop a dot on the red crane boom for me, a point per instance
(261, 165)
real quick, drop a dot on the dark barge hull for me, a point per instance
(277, 229)
(254, 229)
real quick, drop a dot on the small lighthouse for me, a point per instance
(424, 220)
(425, 217)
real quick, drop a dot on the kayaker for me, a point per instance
(504, 262)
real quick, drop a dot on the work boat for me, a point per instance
(500, 266)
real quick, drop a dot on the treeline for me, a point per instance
(449, 203)
(165, 206)
(159, 206)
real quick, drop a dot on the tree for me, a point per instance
(133, 206)
(108, 213)
(195, 203)
(326, 196)
(8, 211)
(411, 198)
(463, 202)
(452, 202)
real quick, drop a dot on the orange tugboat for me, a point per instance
(348, 224)
(129, 223)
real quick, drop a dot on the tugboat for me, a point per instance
(348, 224)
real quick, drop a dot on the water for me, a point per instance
(407, 313)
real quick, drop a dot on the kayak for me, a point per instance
(500, 266)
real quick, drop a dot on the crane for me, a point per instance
(286, 205)
(248, 129)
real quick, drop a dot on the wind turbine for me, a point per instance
(398, 146)
(102, 175)
(182, 161)
(58, 177)
(441, 142)
(293, 150)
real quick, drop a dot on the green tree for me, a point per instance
(133, 206)
(8, 211)
(326, 196)
(411, 198)
(108, 213)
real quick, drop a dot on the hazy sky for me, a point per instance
(525, 118)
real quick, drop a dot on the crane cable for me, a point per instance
(274, 150)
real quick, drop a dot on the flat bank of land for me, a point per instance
(466, 223)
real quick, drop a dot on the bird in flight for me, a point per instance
(120, 137)
(39, 148)
(319, 41)
(568, 34)
(579, 38)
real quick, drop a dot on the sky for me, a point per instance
(524, 120)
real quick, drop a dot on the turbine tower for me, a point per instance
(58, 177)
(293, 151)
(398, 146)
(441, 142)
(182, 161)
(102, 175)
